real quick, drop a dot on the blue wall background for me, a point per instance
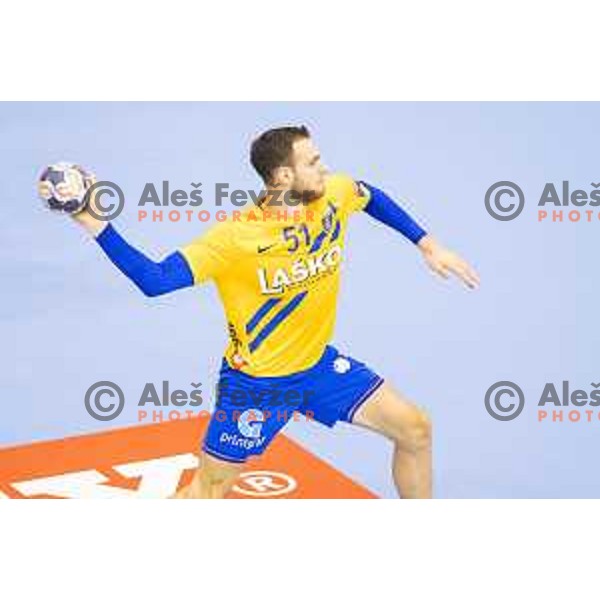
(68, 319)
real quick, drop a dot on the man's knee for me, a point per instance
(216, 473)
(397, 418)
(414, 433)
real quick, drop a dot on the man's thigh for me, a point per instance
(217, 471)
(392, 414)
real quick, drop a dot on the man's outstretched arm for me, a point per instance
(439, 259)
(151, 277)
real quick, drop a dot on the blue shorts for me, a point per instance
(250, 411)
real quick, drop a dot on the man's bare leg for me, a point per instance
(212, 480)
(408, 426)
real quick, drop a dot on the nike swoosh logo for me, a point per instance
(262, 249)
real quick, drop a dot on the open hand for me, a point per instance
(444, 262)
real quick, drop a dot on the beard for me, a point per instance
(307, 196)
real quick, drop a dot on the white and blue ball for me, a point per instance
(63, 187)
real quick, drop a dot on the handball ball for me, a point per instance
(63, 187)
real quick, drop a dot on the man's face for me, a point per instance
(308, 171)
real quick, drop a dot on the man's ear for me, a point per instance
(283, 176)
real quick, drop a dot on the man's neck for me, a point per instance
(276, 198)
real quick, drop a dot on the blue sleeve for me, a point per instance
(152, 278)
(384, 209)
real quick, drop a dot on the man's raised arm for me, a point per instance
(151, 277)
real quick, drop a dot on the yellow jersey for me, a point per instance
(278, 279)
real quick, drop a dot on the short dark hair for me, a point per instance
(273, 149)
